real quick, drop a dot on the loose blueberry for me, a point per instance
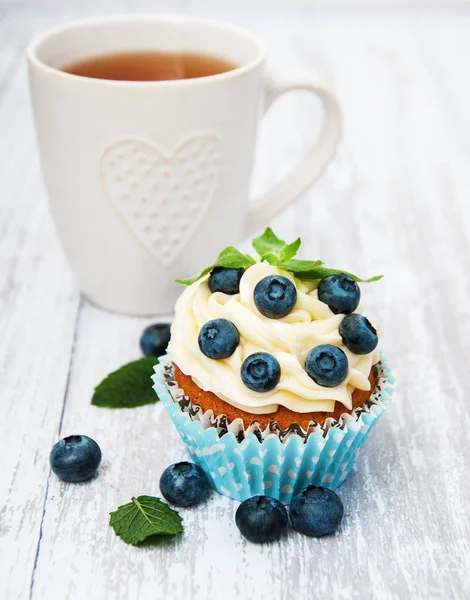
(218, 338)
(261, 519)
(154, 339)
(261, 372)
(358, 334)
(225, 280)
(316, 511)
(327, 365)
(275, 296)
(184, 484)
(340, 292)
(75, 458)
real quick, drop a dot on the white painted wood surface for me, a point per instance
(394, 201)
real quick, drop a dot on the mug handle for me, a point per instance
(266, 206)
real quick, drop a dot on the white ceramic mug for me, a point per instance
(148, 180)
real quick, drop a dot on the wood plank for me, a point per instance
(38, 304)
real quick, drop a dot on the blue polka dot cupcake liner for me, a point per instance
(242, 462)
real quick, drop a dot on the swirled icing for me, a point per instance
(289, 339)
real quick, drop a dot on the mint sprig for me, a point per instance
(230, 258)
(280, 254)
(143, 517)
(312, 271)
(274, 250)
(128, 387)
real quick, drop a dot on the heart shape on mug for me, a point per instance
(162, 197)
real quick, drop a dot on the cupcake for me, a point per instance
(273, 376)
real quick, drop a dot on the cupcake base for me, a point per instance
(283, 417)
(242, 462)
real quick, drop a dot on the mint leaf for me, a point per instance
(300, 266)
(234, 259)
(142, 517)
(278, 253)
(128, 387)
(302, 270)
(291, 249)
(230, 258)
(194, 279)
(274, 250)
(269, 246)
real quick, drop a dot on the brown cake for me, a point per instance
(283, 416)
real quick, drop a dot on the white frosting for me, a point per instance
(289, 339)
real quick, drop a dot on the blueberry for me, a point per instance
(75, 458)
(327, 365)
(225, 280)
(184, 484)
(218, 338)
(358, 334)
(275, 296)
(261, 519)
(154, 340)
(261, 372)
(340, 292)
(316, 511)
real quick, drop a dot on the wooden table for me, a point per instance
(395, 200)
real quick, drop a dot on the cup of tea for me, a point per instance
(146, 128)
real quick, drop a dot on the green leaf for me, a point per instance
(143, 517)
(128, 387)
(277, 253)
(274, 250)
(268, 245)
(194, 279)
(313, 273)
(230, 258)
(291, 249)
(234, 259)
(300, 266)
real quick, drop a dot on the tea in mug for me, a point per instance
(149, 66)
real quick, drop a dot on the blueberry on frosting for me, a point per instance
(225, 280)
(327, 365)
(275, 296)
(261, 372)
(282, 307)
(358, 334)
(218, 338)
(340, 292)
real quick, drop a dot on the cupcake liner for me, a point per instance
(241, 463)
